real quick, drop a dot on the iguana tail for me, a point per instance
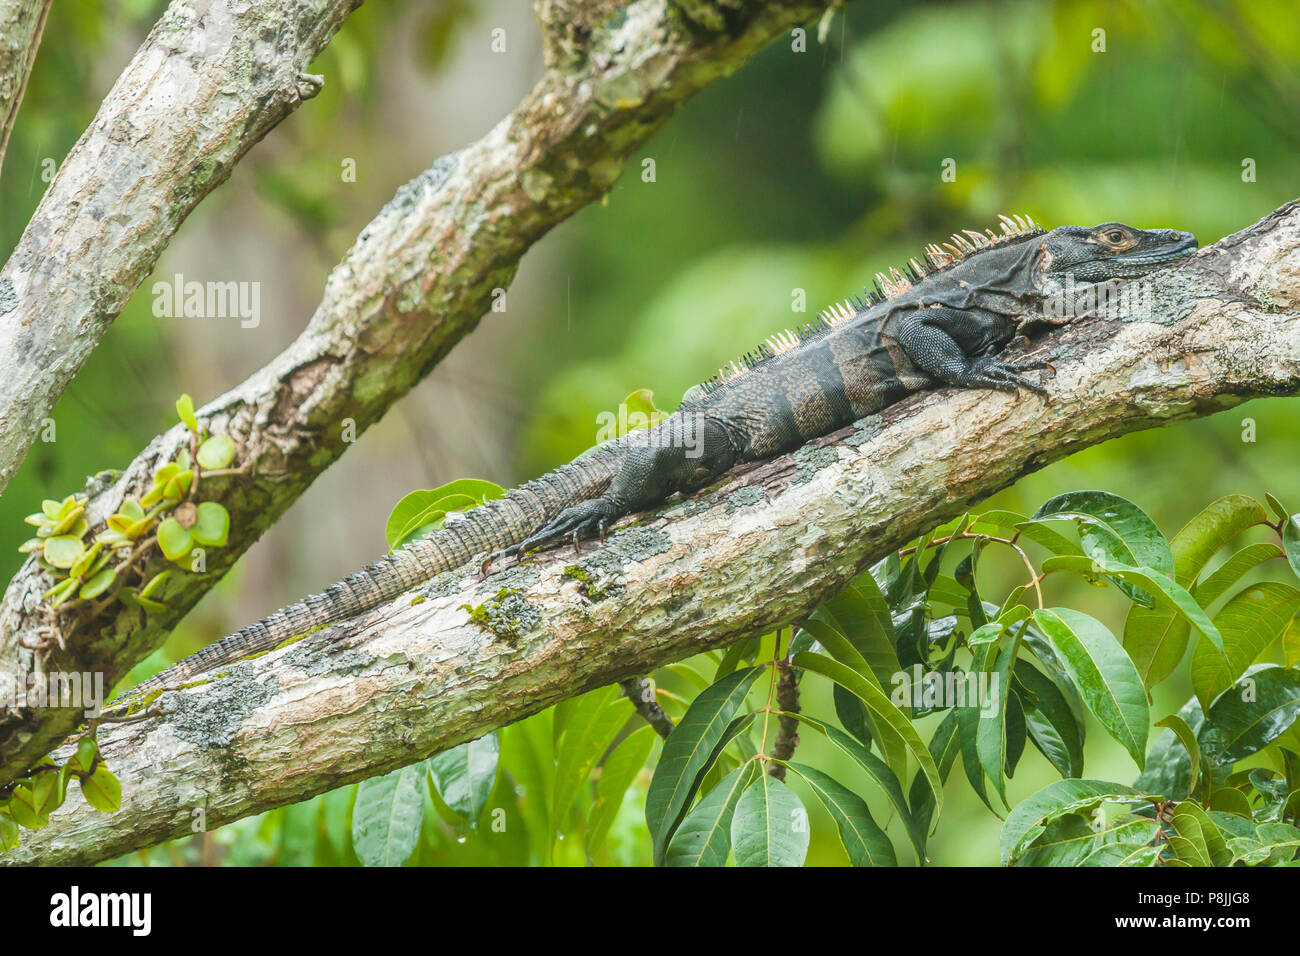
(498, 524)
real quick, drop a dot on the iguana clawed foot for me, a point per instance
(586, 519)
(992, 372)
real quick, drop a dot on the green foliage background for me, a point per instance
(804, 171)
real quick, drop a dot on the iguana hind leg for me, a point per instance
(683, 453)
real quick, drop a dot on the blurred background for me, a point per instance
(806, 170)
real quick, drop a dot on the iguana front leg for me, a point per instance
(961, 348)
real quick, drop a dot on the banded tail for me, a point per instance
(499, 524)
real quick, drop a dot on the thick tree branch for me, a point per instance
(417, 280)
(21, 25)
(209, 81)
(761, 550)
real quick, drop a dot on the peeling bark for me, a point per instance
(418, 279)
(760, 550)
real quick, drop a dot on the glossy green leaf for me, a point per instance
(1250, 621)
(688, 751)
(1191, 821)
(592, 726)
(862, 614)
(704, 837)
(1030, 818)
(465, 775)
(1213, 586)
(415, 508)
(1251, 714)
(991, 732)
(1049, 720)
(885, 716)
(865, 842)
(770, 825)
(1067, 841)
(1112, 529)
(1105, 676)
(879, 771)
(387, 816)
(1291, 542)
(617, 774)
(1187, 737)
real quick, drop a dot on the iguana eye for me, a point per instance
(1114, 235)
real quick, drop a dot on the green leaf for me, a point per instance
(1168, 767)
(1050, 720)
(9, 833)
(211, 525)
(1105, 676)
(1162, 595)
(865, 842)
(387, 816)
(968, 740)
(1193, 823)
(25, 808)
(174, 539)
(217, 452)
(770, 825)
(687, 753)
(945, 745)
(1251, 714)
(885, 716)
(1291, 542)
(87, 749)
(991, 731)
(884, 777)
(185, 411)
(704, 837)
(178, 486)
(1215, 585)
(862, 614)
(61, 592)
(84, 563)
(1187, 737)
(1030, 818)
(641, 411)
(63, 550)
(617, 774)
(1250, 621)
(591, 728)
(465, 775)
(422, 507)
(1112, 529)
(155, 582)
(102, 790)
(1068, 841)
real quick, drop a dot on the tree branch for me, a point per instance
(417, 676)
(418, 279)
(21, 25)
(201, 90)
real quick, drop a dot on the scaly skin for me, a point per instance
(947, 322)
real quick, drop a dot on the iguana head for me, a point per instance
(1111, 251)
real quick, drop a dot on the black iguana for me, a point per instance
(945, 322)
